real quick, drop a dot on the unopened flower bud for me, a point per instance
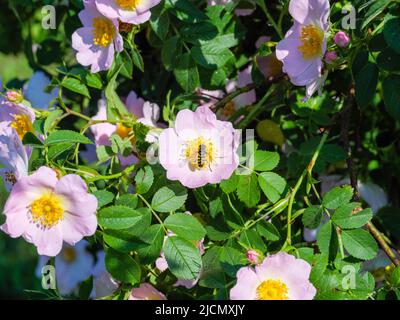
(330, 57)
(253, 257)
(341, 39)
(14, 96)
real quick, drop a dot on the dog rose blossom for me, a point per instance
(129, 11)
(146, 292)
(13, 156)
(200, 149)
(279, 277)
(98, 40)
(46, 211)
(73, 265)
(304, 46)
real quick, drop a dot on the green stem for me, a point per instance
(118, 175)
(153, 212)
(271, 19)
(296, 188)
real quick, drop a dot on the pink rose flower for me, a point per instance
(98, 40)
(146, 292)
(243, 100)
(280, 277)
(200, 149)
(304, 46)
(46, 211)
(13, 156)
(145, 112)
(18, 116)
(73, 265)
(129, 11)
(341, 39)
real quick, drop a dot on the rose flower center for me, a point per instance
(47, 210)
(103, 32)
(128, 4)
(123, 131)
(199, 153)
(272, 290)
(22, 124)
(311, 39)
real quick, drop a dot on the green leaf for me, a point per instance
(366, 81)
(171, 49)
(169, 198)
(183, 258)
(118, 217)
(186, 73)
(327, 240)
(58, 150)
(137, 59)
(272, 184)
(69, 136)
(76, 86)
(116, 109)
(51, 118)
(185, 226)
(312, 217)
(122, 267)
(268, 231)
(159, 22)
(186, 11)
(391, 31)
(264, 160)
(230, 185)
(127, 200)
(349, 216)
(104, 197)
(85, 288)
(376, 8)
(389, 60)
(122, 240)
(144, 180)
(391, 95)
(154, 239)
(360, 244)
(30, 139)
(248, 190)
(210, 57)
(199, 33)
(337, 197)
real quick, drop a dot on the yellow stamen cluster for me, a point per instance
(47, 210)
(128, 4)
(22, 124)
(311, 38)
(199, 153)
(272, 290)
(122, 131)
(103, 31)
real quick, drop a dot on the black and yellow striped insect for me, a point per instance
(202, 156)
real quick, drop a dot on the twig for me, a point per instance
(344, 136)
